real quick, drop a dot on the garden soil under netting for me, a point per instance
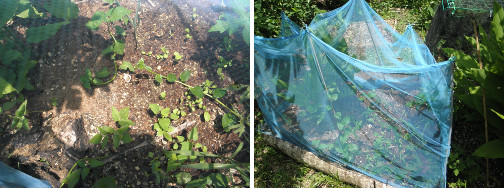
(63, 115)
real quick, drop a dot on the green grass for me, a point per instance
(275, 169)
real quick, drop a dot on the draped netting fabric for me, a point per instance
(350, 89)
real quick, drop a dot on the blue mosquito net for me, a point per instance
(350, 89)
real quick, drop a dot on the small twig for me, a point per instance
(484, 101)
(181, 127)
(124, 152)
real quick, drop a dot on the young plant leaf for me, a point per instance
(117, 13)
(127, 66)
(86, 79)
(155, 108)
(102, 73)
(219, 180)
(85, 172)
(105, 182)
(98, 18)
(206, 116)
(197, 91)
(164, 123)
(5, 87)
(171, 77)
(193, 135)
(115, 115)
(62, 9)
(177, 56)
(218, 93)
(95, 163)
(124, 113)
(96, 139)
(72, 178)
(37, 34)
(115, 140)
(158, 78)
(185, 76)
(165, 112)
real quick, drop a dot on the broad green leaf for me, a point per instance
(197, 91)
(102, 73)
(8, 105)
(171, 165)
(37, 34)
(7, 11)
(177, 56)
(96, 81)
(228, 120)
(105, 182)
(492, 149)
(174, 116)
(155, 108)
(180, 138)
(98, 18)
(5, 87)
(108, 129)
(115, 114)
(167, 136)
(140, 65)
(115, 140)
(126, 122)
(185, 76)
(164, 123)
(165, 112)
(85, 172)
(158, 78)
(62, 9)
(206, 116)
(72, 178)
(104, 142)
(210, 166)
(96, 139)
(171, 77)
(102, 131)
(8, 56)
(497, 24)
(218, 93)
(81, 163)
(86, 79)
(117, 13)
(193, 135)
(127, 138)
(95, 163)
(124, 113)
(127, 66)
(21, 111)
(353, 148)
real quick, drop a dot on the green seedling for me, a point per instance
(223, 63)
(80, 170)
(188, 153)
(54, 101)
(164, 55)
(87, 79)
(177, 56)
(115, 13)
(170, 33)
(147, 54)
(188, 35)
(194, 15)
(162, 96)
(118, 135)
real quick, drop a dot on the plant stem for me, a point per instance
(208, 95)
(112, 79)
(484, 101)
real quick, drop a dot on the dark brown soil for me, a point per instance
(60, 134)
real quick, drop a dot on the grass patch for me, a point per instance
(275, 169)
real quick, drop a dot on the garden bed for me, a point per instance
(64, 115)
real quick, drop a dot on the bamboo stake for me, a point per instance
(484, 101)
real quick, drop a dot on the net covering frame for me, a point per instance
(350, 89)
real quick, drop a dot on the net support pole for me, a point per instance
(330, 168)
